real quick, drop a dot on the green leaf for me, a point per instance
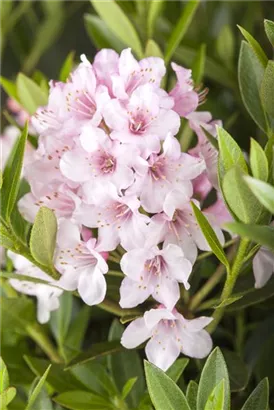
(217, 397)
(269, 30)
(180, 28)
(239, 197)
(37, 390)
(100, 34)
(250, 75)
(9, 87)
(214, 371)
(191, 394)
(31, 96)
(152, 49)
(60, 319)
(4, 376)
(264, 192)
(154, 11)
(258, 161)
(17, 313)
(255, 46)
(43, 236)
(11, 275)
(198, 66)
(210, 236)
(128, 387)
(163, 391)
(97, 350)
(228, 301)
(257, 233)
(119, 24)
(267, 89)
(176, 369)
(213, 141)
(226, 45)
(12, 175)
(258, 400)
(67, 67)
(237, 370)
(77, 329)
(82, 400)
(230, 153)
(7, 396)
(125, 365)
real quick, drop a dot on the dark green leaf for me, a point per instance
(250, 74)
(269, 29)
(31, 96)
(237, 370)
(163, 391)
(191, 394)
(267, 89)
(264, 192)
(117, 21)
(213, 372)
(60, 318)
(210, 236)
(217, 397)
(43, 236)
(126, 365)
(100, 34)
(257, 233)
(255, 46)
(82, 400)
(97, 350)
(9, 87)
(226, 45)
(180, 28)
(67, 67)
(258, 400)
(258, 161)
(37, 389)
(77, 330)
(155, 9)
(198, 65)
(176, 369)
(17, 313)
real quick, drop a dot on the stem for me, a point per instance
(230, 283)
(209, 253)
(116, 273)
(44, 342)
(113, 307)
(113, 259)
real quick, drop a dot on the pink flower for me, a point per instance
(217, 213)
(186, 99)
(117, 218)
(263, 267)
(7, 141)
(178, 225)
(203, 119)
(170, 334)
(47, 296)
(105, 65)
(81, 266)
(143, 120)
(166, 172)
(151, 271)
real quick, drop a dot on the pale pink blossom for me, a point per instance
(203, 119)
(170, 334)
(47, 296)
(7, 141)
(217, 213)
(81, 266)
(263, 267)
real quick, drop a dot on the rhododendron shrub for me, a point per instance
(119, 189)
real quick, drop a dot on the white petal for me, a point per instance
(132, 293)
(263, 267)
(153, 316)
(197, 344)
(68, 235)
(135, 334)
(162, 352)
(92, 286)
(132, 262)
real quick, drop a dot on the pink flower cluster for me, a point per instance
(108, 160)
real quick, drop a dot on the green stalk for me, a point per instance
(230, 283)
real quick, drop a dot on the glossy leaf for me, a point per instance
(37, 390)
(100, 34)
(155, 8)
(115, 19)
(255, 46)
(191, 394)
(67, 67)
(198, 66)
(264, 192)
(82, 400)
(180, 28)
(267, 89)
(31, 96)
(250, 74)
(152, 49)
(176, 369)
(43, 236)
(214, 371)
(258, 161)
(163, 391)
(269, 30)
(263, 235)
(217, 397)
(210, 236)
(240, 198)
(258, 400)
